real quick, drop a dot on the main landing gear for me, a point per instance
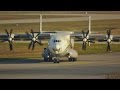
(56, 60)
(72, 59)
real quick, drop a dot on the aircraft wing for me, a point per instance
(103, 37)
(95, 37)
(116, 38)
(33, 37)
(23, 37)
(3, 37)
(78, 36)
(86, 37)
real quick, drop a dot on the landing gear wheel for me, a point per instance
(72, 59)
(69, 59)
(50, 59)
(56, 60)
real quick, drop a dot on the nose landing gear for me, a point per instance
(56, 60)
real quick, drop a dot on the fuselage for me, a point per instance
(60, 44)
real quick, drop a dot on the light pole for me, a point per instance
(89, 27)
(40, 23)
(90, 24)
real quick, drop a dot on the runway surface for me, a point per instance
(94, 66)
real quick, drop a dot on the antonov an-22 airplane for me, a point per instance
(60, 44)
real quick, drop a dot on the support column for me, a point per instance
(89, 24)
(89, 28)
(40, 23)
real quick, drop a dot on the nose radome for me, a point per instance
(56, 48)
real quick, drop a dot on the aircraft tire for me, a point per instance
(72, 59)
(56, 60)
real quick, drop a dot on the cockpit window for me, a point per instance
(57, 40)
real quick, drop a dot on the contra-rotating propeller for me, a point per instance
(109, 39)
(85, 39)
(10, 38)
(34, 39)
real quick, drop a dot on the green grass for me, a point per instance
(97, 48)
(21, 50)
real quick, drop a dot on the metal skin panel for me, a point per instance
(59, 48)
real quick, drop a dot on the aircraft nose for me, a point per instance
(56, 48)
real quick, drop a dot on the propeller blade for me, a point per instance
(9, 39)
(39, 43)
(77, 40)
(32, 33)
(83, 33)
(87, 33)
(108, 33)
(10, 45)
(37, 35)
(11, 32)
(7, 32)
(84, 46)
(30, 45)
(11, 48)
(84, 39)
(33, 46)
(33, 40)
(108, 47)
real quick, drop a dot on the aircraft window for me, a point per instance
(57, 40)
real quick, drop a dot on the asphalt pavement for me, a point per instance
(93, 66)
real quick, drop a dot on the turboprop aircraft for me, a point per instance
(60, 43)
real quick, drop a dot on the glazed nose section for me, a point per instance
(56, 48)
